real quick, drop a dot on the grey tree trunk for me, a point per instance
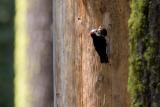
(80, 79)
(34, 86)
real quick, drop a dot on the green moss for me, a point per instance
(138, 31)
(144, 75)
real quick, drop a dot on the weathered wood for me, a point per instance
(81, 80)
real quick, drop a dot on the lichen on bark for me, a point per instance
(143, 83)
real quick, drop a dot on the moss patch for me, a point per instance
(139, 42)
(144, 76)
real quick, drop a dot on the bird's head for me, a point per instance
(102, 31)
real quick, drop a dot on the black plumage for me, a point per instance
(100, 44)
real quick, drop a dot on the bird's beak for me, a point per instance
(93, 31)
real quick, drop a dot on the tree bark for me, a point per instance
(144, 73)
(154, 29)
(34, 86)
(80, 79)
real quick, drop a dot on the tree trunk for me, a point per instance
(144, 75)
(80, 79)
(33, 54)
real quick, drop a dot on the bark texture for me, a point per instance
(80, 79)
(144, 74)
(34, 86)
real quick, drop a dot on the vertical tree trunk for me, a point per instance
(81, 80)
(144, 76)
(154, 29)
(34, 54)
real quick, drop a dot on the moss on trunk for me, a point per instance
(144, 54)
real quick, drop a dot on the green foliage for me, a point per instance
(6, 52)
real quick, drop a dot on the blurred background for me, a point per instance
(26, 75)
(7, 35)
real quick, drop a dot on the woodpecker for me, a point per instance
(100, 43)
